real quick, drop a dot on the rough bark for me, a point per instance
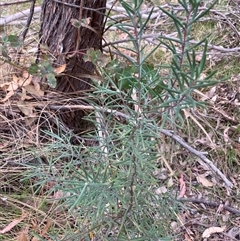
(61, 38)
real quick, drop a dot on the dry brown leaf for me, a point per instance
(207, 232)
(211, 92)
(26, 109)
(13, 223)
(36, 82)
(91, 235)
(15, 78)
(15, 84)
(46, 228)
(187, 237)
(60, 69)
(24, 82)
(225, 135)
(34, 90)
(4, 86)
(170, 182)
(35, 239)
(24, 94)
(22, 236)
(8, 95)
(34, 225)
(25, 74)
(9, 86)
(26, 79)
(182, 187)
(204, 181)
(30, 120)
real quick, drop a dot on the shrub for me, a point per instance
(112, 188)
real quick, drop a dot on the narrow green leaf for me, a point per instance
(184, 5)
(202, 14)
(171, 39)
(203, 60)
(128, 8)
(172, 16)
(142, 26)
(77, 202)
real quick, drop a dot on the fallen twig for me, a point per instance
(210, 203)
(6, 20)
(14, 2)
(198, 154)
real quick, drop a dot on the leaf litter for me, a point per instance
(193, 180)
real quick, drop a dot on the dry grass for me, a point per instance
(215, 130)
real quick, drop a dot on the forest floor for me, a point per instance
(211, 209)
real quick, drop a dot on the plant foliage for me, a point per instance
(111, 188)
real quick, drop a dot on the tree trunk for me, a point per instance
(67, 44)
